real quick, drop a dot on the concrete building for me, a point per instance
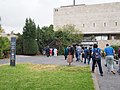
(3, 34)
(100, 20)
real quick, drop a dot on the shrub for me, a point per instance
(30, 47)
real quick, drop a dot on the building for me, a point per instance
(3, 34)
(99, 20)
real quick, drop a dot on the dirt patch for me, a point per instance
(44, 67)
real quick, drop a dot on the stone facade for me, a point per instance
(96, 19)
(102, 43)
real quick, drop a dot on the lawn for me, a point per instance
(45, 77)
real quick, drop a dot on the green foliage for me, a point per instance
(62, 37)
(67, 35)
(45, 35)
(115, 48)
(4, 46)
(30, 46)
(19, 45)
(29, 30)
(1, 29)
(33, 77)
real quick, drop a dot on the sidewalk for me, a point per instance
(109, 81)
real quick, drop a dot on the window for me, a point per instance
(101, 37)
(83, 25)
(93, 24)
(56, 10)
(116, 23)
(104, 24)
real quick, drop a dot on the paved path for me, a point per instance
(107, 82)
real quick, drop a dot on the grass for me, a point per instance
(45, 77)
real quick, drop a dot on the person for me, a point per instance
(82, 54)
(119, 60)
(78, 52)
(89, 55)
(96, 57)
(109, 53)
(70, 55)
(55, 52)
(44, 51)
(107, 45)
(48, 51)
(52, 51)
(85, 55)
(66, 52)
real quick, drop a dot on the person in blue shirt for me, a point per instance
(78, 52)
(96, 57)
(109, 53)
(85, 55)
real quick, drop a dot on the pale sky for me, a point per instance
(14, 12)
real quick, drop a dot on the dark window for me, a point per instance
(83, 25)
(56, 10)
(93, 24)
(104, 24)
(116, 23)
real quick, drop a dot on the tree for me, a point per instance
(19, 44)
(4, 45)
(67, 35)
(48, 34)
(30, 46)
(40, 38)
(1, 30)
(45, 36)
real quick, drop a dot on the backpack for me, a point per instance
(96, 54)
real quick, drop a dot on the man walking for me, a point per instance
(109, 53)
(78, 52)
(96, 56)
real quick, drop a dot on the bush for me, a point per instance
(19, 45)
(30, 47)
(115, 48)
(116, 51)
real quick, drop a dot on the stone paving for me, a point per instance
(107, 82)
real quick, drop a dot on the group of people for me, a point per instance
(94, 53)
(50, 51)
(79, 52)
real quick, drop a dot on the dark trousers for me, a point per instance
(99, 65)
(89, 59)
(65, 57)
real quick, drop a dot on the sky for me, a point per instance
(14, 12)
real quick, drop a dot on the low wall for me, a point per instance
(102, 43)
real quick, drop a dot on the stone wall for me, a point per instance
(102, 43)
(90, 19)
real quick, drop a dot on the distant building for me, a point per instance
(3, 34)
(99, 20)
